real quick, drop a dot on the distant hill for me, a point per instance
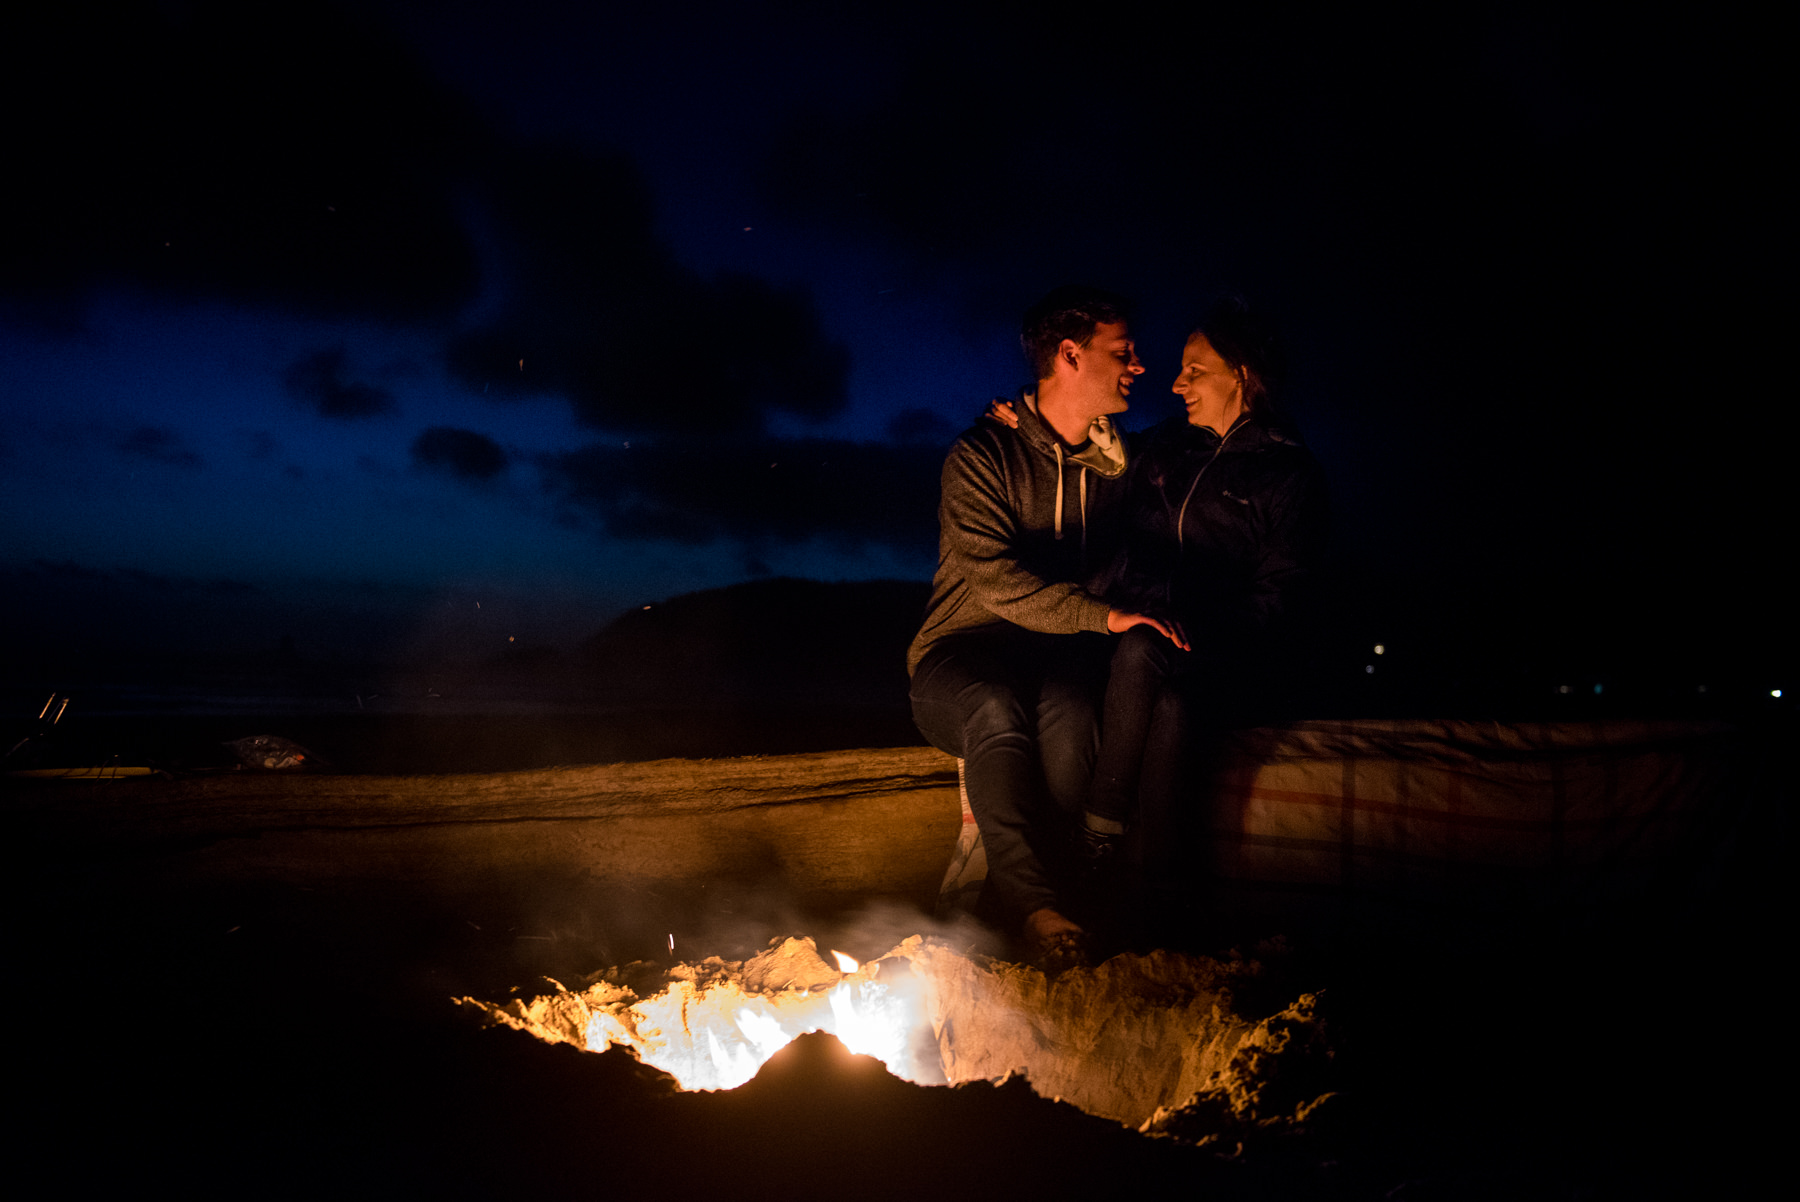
(783, 641)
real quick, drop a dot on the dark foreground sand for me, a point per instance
(285, 1037)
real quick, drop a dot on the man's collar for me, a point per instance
(1103, 452)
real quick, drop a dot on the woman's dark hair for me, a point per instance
(1069, 312)
(1248, 344)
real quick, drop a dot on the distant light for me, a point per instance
(1380, 648)
(509, 638)
(1597, 689)
(646, 607)
(1774, 692)
(1563, 688)
(1369, 668)
(1703, 688)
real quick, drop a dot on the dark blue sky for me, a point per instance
(338, 322)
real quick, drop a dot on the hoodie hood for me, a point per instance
(1103, 454)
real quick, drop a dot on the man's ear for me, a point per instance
(1069, 351)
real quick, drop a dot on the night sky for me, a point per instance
(335, 323)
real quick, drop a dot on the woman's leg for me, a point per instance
(1142, 665)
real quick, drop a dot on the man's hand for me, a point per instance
(1118, 621)
(1001, 410)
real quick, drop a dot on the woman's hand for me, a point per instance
(1118, 621)
(1002, 411)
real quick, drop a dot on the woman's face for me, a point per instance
(1207, 385)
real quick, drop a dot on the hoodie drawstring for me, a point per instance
(1083, 504)
(1084, 519)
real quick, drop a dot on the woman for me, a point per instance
(1226, 513)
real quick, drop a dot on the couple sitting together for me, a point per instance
(1096, 593)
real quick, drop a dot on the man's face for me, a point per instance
(1105, 368)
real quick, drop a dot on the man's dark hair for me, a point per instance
(1068, 312)
(1247, 343)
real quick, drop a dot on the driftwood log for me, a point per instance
(1326, 825)
(835, 826)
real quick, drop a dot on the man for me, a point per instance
(1010, 660)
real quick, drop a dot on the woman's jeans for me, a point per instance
(1192, 687)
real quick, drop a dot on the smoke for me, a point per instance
(877, 926)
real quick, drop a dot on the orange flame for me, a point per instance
(717, 1036)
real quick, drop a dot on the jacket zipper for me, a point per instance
(1180, 517)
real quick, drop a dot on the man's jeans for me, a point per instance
(1021, 711)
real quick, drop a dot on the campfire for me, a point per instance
(1154, 1041)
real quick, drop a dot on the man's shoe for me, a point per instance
(1095, 850)
(1054, 944)
(1057, 954)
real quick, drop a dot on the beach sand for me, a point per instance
(277, 1034)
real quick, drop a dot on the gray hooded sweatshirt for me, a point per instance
(1023, 525)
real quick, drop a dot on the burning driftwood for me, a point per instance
(1154, 1041)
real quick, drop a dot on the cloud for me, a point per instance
(1302, 156)
(920, 426)
(318, 178)
(69, 572)
(464, 454)
(257, 444)
(599, 311)
(318, 380)
(161, 445)
(700, 492)
(340, 178)
(945, 163)
(67, 569)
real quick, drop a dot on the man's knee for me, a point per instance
(993, 712)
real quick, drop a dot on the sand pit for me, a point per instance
(1155, 1042)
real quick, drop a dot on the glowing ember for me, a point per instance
(845, 963)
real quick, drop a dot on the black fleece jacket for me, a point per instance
(1223, 534)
